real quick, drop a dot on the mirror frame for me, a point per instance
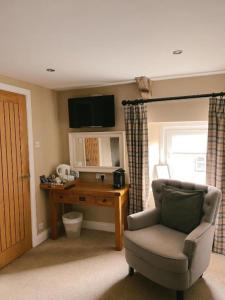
(72, 150)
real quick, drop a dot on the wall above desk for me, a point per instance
(97, 151)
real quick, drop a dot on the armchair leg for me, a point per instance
(180, 295)
(131, 271)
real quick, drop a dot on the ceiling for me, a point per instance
(99, 42)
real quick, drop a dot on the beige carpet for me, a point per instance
(88, 269)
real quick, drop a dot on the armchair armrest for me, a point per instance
(143, 219)
(198, 246)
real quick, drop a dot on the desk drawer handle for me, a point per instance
(104, 200)
(61, 197)
(81, 198)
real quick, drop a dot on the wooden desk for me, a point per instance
(90, 194)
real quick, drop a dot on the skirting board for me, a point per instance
(103, 226)
(41, 237)
(110, 227)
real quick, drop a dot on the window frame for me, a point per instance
(169, 129)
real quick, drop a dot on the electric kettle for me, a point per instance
(63, 171)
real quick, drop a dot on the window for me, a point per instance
(184, 151)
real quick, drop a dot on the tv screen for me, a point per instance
(97, 111)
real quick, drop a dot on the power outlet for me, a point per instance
(102, 177)
(41, 226)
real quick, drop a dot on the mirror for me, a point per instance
(96, 150)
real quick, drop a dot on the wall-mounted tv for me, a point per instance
(96, 111)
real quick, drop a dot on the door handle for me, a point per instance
(27, 176)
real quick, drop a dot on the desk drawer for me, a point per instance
(65, 197)
(104, 201)
(85, 199)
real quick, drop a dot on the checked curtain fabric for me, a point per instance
(137, 145)
(215, 169)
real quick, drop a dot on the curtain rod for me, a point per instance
(141, 101)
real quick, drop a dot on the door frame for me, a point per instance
(27, 94)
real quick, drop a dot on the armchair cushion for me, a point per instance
(181, 209)
(159, 246)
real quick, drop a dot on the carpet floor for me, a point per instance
(89, 268)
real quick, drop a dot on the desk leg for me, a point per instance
(125, 212)
(53, 217)
(118, 224)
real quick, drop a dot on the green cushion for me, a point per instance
(181, 209)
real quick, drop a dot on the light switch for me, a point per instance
(37, 144)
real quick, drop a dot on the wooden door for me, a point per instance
(15, 215)
(92, 151)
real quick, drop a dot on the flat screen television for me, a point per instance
(96, 111)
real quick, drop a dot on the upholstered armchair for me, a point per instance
(177, 255)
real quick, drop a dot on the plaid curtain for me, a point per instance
(137, 146)
(216, 164)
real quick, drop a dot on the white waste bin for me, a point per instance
(72, 222)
